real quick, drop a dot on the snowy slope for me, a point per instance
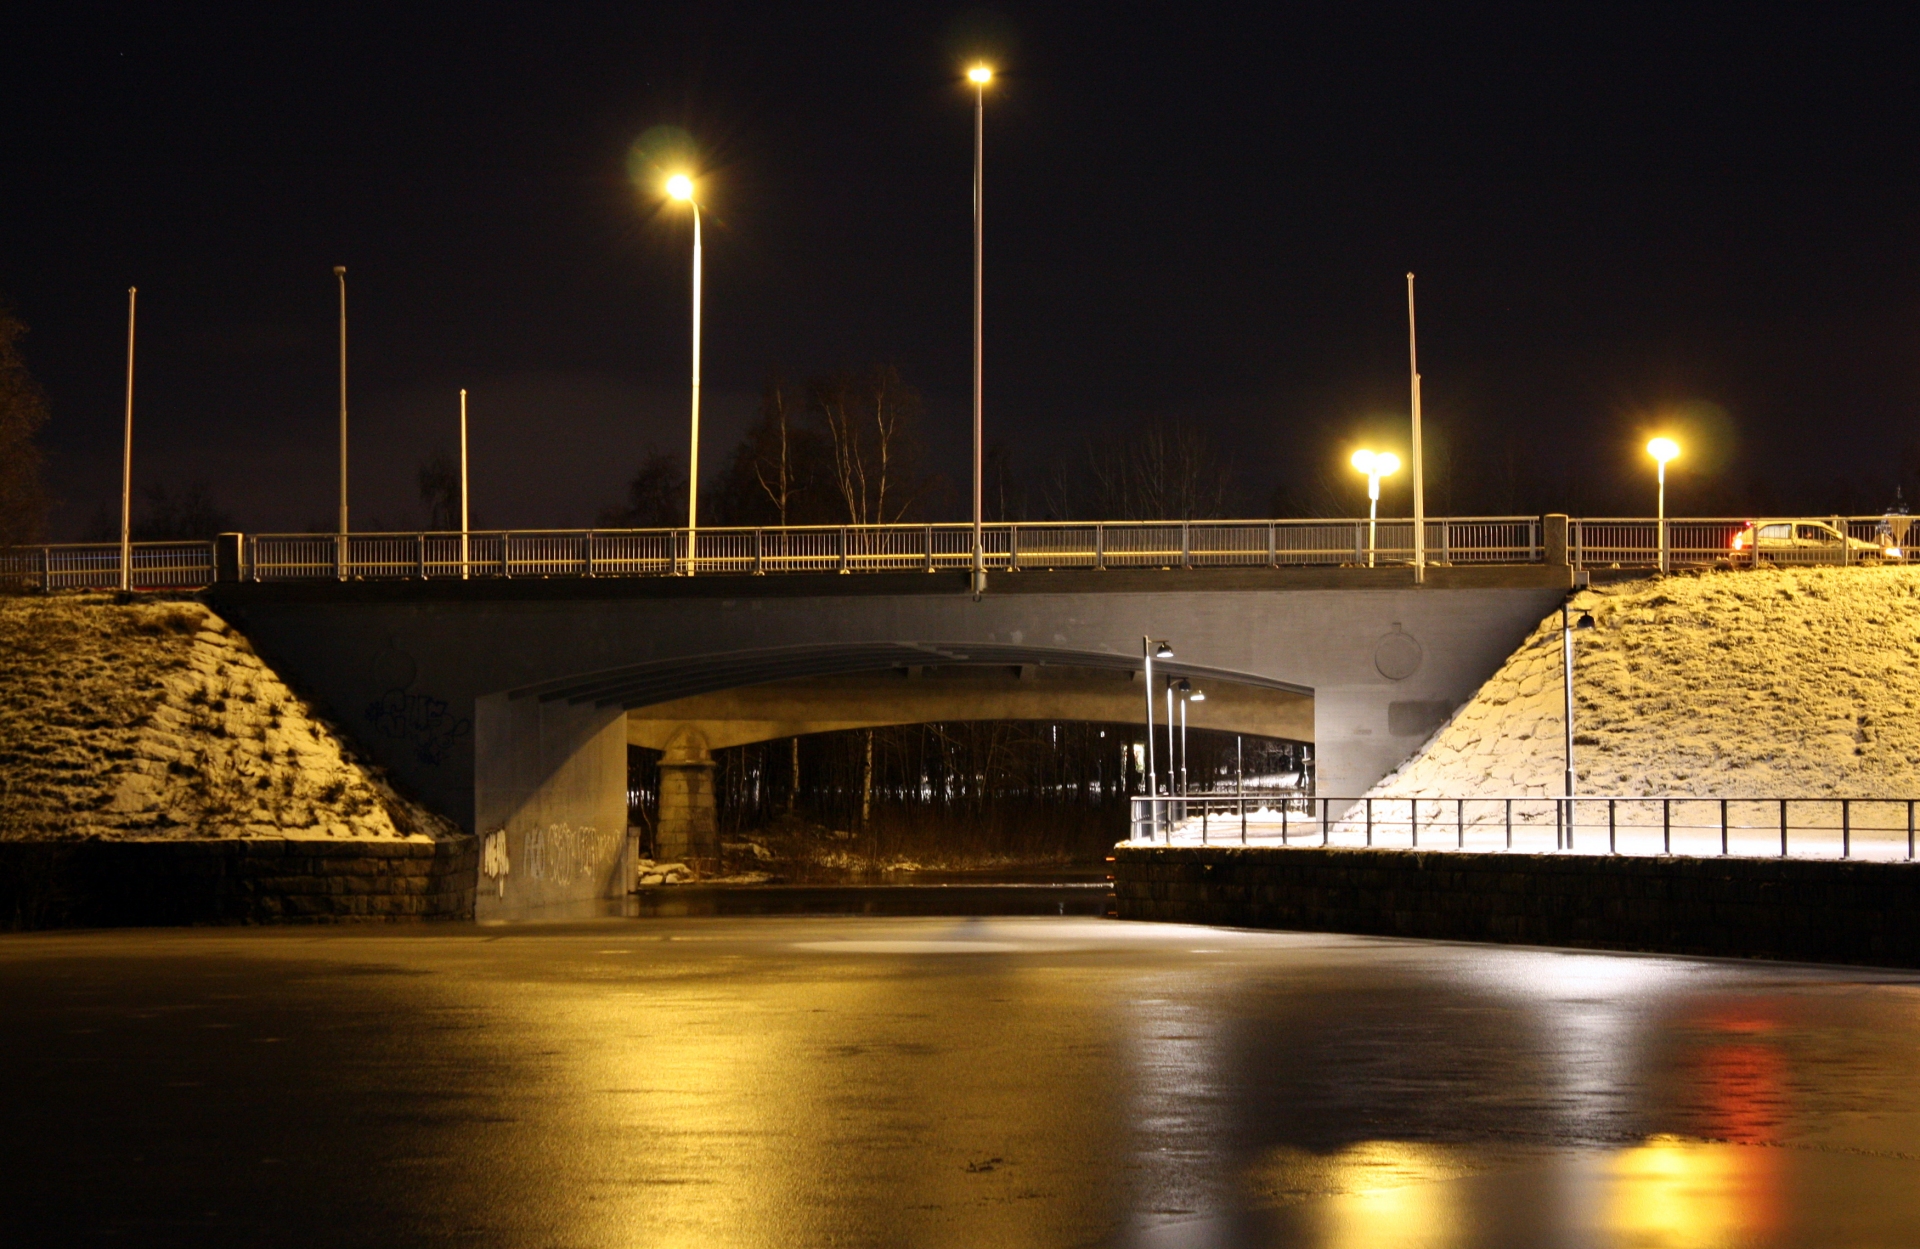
(1801, 682)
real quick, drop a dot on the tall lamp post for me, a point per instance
(1567, 626)
(126, 461)
(1662, 450)
(340, 545)
(465, 554)
(1419, 481)
(680, 187)
(1151, 650)
(979, 76)
(1375, 464)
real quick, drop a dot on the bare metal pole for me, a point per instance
(1419, 480)
(126, 460)
(693, 449)
(1153, 770)
(465, 555)
(1566, 666)
(340, 272)
(979, 245)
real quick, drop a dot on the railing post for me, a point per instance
(1369, 821)
(1909, 828)
(586, 551)
(759, 552)
(1460, 823)
(506, 555)
(1612, 845)
(1013, 552)
(1783, 826)
(929, 538)
(1100, 546)
(1723, 826)
(1326, 830)
(1509, 823)
(1283, 821)
(843, 549)
(1846, 828)
(420, 555)
(1413, 820)
(1186, 544)
(1273, 545)
(1666, 826)
(46, 569)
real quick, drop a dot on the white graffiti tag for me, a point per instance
(561, 852)
(493, 859)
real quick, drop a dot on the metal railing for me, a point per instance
(1834, 828)
(96, 566)
(1695, 542)
(1601, 543)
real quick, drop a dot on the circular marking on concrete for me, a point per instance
(1398, 655)
(909, 947)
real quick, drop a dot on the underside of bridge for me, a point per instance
(553, 756)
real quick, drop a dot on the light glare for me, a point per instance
(1663, 449)
(680, 187)
(980, 75)
(1363, 460)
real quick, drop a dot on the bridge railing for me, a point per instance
(96, 566)
(1596, 543)
(887, 548)
(1775, 827)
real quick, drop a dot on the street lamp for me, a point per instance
(680, 187)
(340, 555)
(1566, 663)
(1375, 464)
(126, 460)
(1151, 650)
(1662, 450)
(979, 76)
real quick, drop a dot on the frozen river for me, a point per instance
(929, 1081)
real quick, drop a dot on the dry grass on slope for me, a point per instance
(149, 719)
(1802, 682)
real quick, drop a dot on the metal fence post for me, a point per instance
(1723, 826)
(1666, 826)
(506, 555)
(1460, 823)
(1783, 827)
(1326, 830)
(1509, 823)
(1283, 821)
(420, 555)
(1413, 820)
(929, 539)
(1100, 547)
(589, 550)
(1613, 846)
(1273, 545)
(843, 548)
(1369, 821)
(1909, 828)
(1013, 547)
(1846, 828)
(1186, 544)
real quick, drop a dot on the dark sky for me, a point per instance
(1623, 219)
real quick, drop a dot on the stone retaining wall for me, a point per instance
(1796, 909)
(254, 880)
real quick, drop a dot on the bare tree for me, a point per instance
(23, 410)
(656, 497)
(869, 420)
(1163, 470)
(439, 483)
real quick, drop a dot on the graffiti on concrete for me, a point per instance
(493, 860)
(421, 720)
(561, 852)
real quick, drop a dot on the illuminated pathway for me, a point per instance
(774, 1082)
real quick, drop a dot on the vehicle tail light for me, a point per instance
(1739, 541)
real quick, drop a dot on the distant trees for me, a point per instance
(656, 496)
(439, 481)
(23, 410)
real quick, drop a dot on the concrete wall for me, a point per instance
(403, 666)
(550, 803)
(252, 880)
(1800, 909)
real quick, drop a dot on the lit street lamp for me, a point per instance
(340, 272)
(680, 187)
(1662, 450)
(126, 460)
(1566, 663)
(1187, 695)
(1375, 465)
(979, 76)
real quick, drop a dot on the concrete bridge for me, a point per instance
(510, 704)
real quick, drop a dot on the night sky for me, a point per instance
(1623, 220)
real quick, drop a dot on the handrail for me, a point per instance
(1836, 827)
(1010, 546)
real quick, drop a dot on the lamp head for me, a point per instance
(1585, 621)
(1199, 696)
(1663, 449)
(1162, 651)
(1185, 686)
(1363, 460)
(980, 75)
(680, 187)
(1386, 464)
(339, 271)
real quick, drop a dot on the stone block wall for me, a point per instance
(253, 880)
(1807, 910)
